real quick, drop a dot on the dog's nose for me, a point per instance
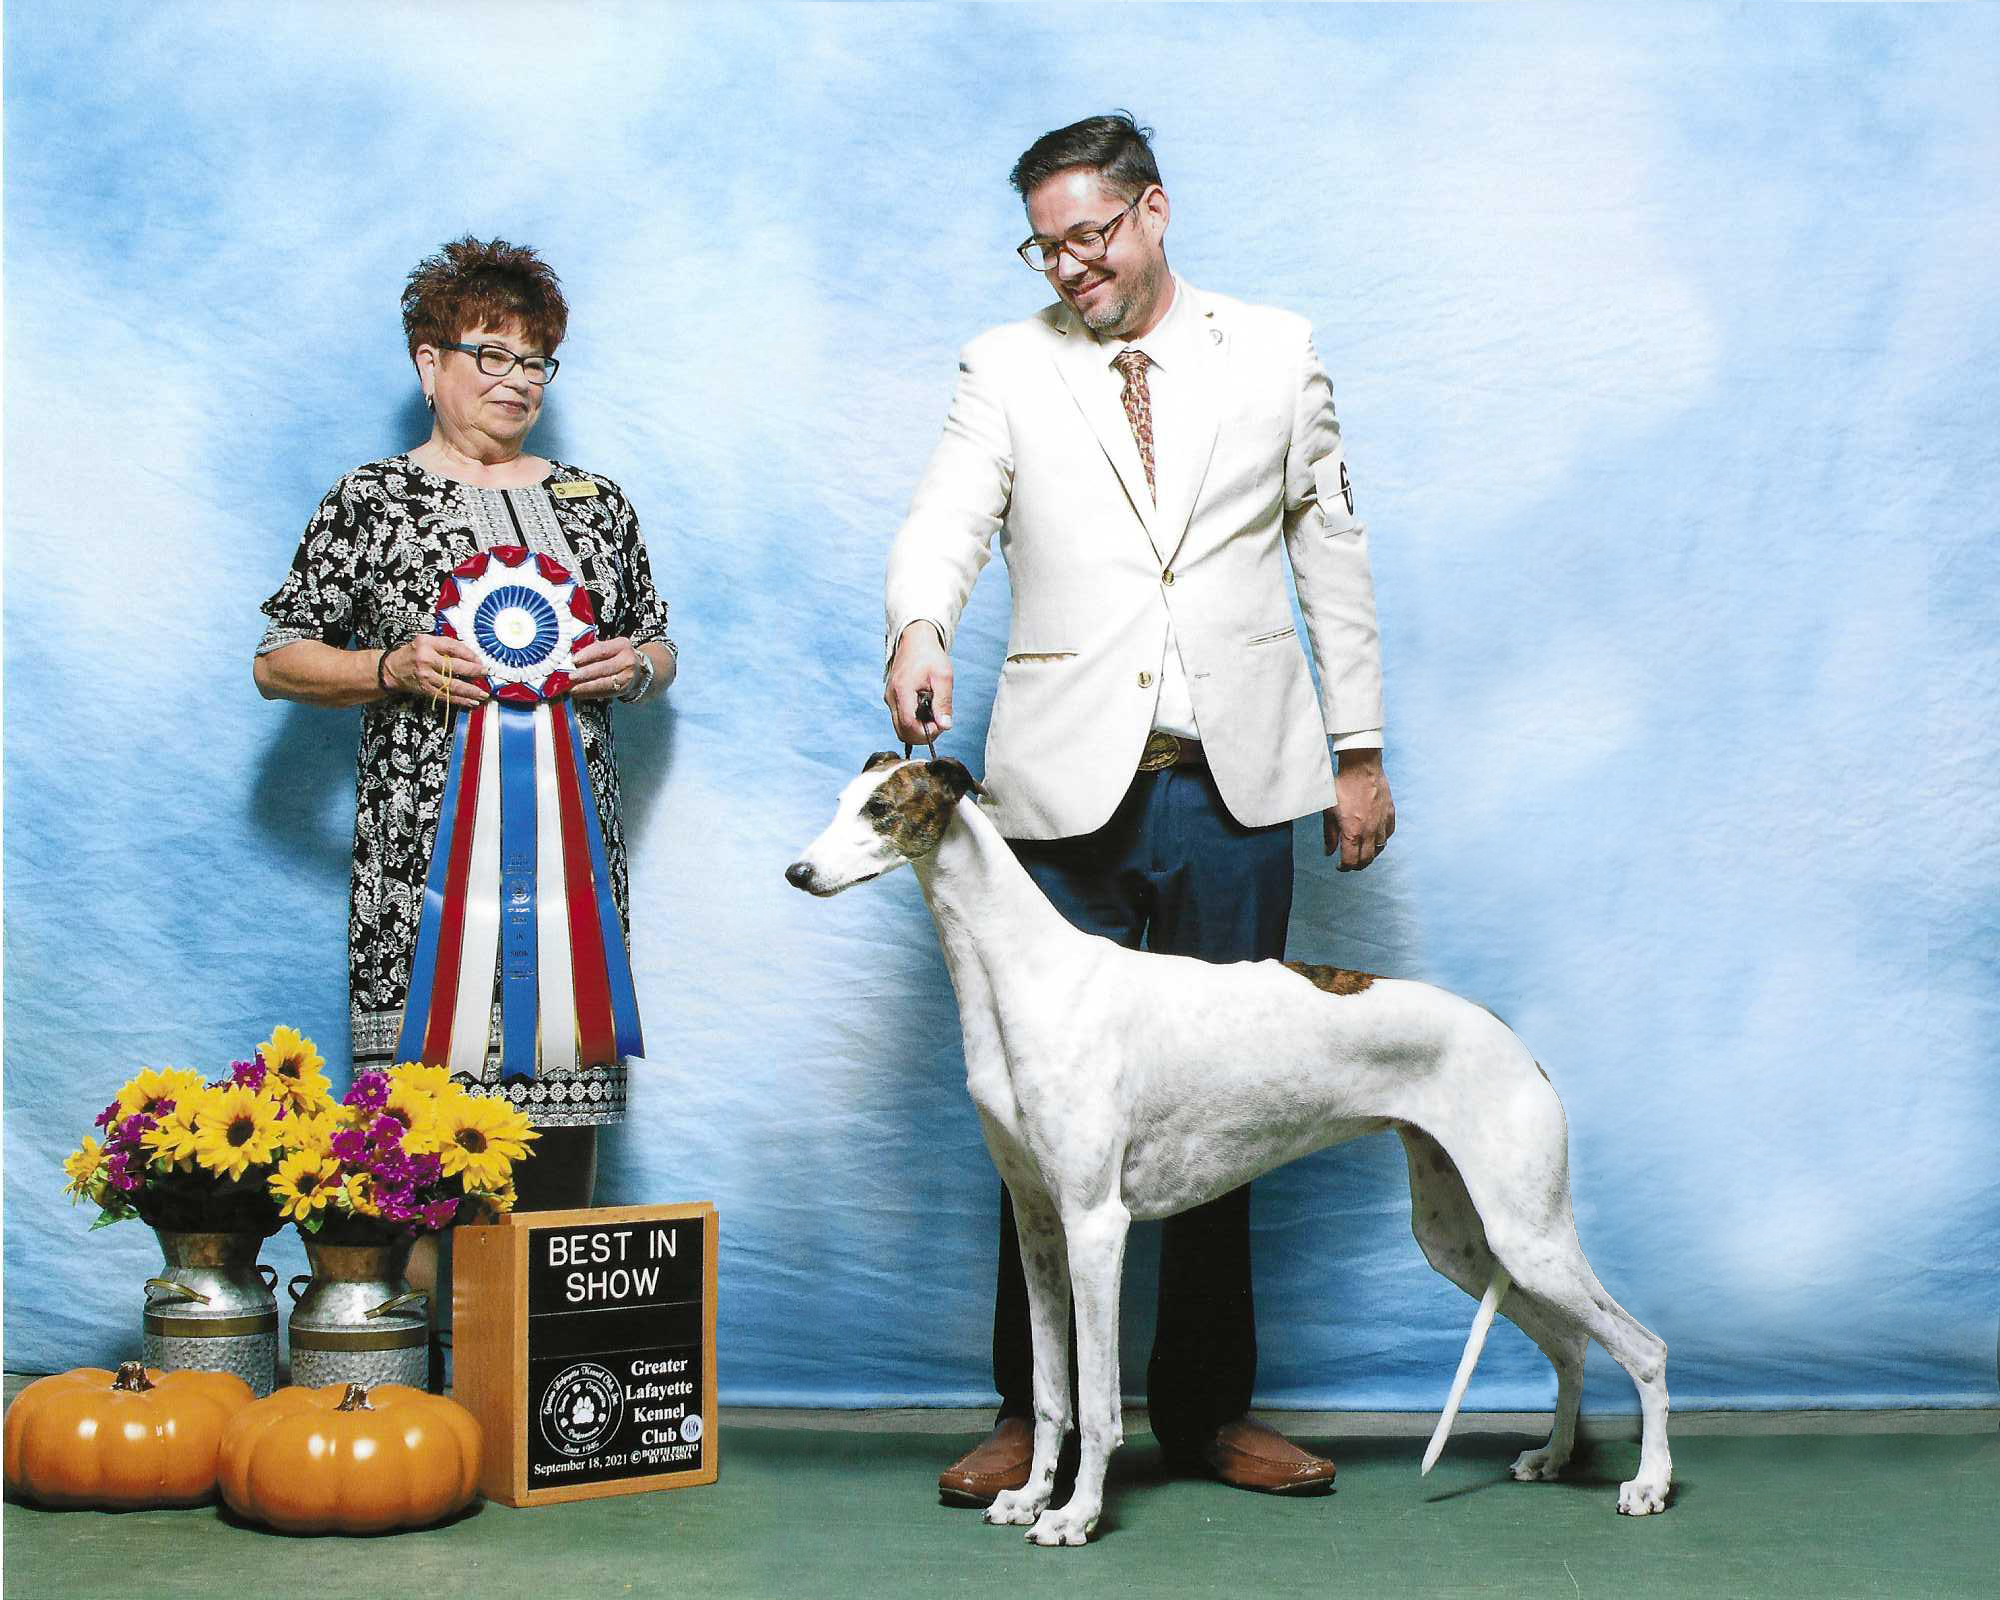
(799, 874)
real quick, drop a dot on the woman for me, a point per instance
(350, 626)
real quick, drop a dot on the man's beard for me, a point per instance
(1107, 320)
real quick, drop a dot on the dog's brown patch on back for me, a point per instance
(882, 758)
(1334, 980)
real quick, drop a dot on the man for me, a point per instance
(1143, 449)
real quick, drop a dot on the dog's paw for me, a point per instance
(1539, 1466)
(1069, 1525)
(1641, 1497)
(1015, 1508)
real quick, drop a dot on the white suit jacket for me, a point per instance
(1038, 450)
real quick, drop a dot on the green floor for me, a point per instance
(821, 1513)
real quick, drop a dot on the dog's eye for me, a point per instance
(877, 807)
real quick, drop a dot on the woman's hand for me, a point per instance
(603, 669)
(436, 668)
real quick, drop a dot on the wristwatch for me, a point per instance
(642, 680)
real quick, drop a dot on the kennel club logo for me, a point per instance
(581, 1409)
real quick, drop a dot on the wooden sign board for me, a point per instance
(584, 1342)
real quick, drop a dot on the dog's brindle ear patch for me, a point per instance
(1334, 980)
(881, 758)
(950, 770)
(911, 808)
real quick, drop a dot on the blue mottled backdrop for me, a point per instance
(1666, 345)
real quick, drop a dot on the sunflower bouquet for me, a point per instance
(406, 1151)
(192, 1155)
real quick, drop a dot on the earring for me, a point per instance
(429, 403)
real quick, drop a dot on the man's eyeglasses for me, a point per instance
(1082, 244)
(496, 361)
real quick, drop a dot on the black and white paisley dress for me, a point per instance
(366, 576)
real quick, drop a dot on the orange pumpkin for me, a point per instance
(347, 1459)
(138, 1437)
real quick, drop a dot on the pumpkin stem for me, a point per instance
(132, 1378)
(356, 1399)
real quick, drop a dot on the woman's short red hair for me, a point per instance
(483, 284)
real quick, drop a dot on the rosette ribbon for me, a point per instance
(518, 896)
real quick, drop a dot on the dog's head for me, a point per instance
(896, 811)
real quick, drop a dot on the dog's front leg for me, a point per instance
(1045, 1265)
(1096, 1242)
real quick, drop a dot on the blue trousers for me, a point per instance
(1171, 871)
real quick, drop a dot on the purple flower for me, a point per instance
(388, 1132)
(350, 1146)
(247, 1074)
(107, 1116)
(396, 1202)
(132, 1127)
(438, 1213)
(426, 1169)
(370, 1091)
(117, 1171)
(390, 1166)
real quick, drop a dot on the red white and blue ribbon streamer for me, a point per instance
(519, 892)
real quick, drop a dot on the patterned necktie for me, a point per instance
(1139, 409)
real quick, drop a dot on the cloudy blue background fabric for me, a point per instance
(1665, 342)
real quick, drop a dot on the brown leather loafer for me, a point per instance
(999, 1461)
(1249, 1455)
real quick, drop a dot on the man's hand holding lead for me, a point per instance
(920, 663)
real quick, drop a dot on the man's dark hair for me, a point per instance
(1115, 147)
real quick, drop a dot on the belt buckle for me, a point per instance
(1162, 751)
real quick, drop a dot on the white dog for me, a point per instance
(1115, 1084)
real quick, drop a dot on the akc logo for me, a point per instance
(581, 1408)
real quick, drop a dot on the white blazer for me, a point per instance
(1038, 450)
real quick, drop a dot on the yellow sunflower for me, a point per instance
(310, 1131)
(426, 1134)
(81, 1170)
(482, 1139)
(416, 1110)
(238, 1130)
(357, 1193)
(428, 1080)
(170, 1143)
(304, 1183)
(153, 1085)
(292, 1068)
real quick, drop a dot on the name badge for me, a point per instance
(582, 489)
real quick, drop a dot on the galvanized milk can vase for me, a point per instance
(407, 1152)
(211, 1309)
(201, 1162)
(356, 1319)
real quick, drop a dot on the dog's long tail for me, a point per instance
(1489, 1303)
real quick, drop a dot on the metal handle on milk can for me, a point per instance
(398, 1303)
(293, 1288)
(180, 1289)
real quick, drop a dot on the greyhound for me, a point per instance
(1115, 1084)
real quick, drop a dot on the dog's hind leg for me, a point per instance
(1555, 1271)
(1565, 1353)
(1448, 1229)
(1096, 1241)
(1045, 1265)
(1523, 1198)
